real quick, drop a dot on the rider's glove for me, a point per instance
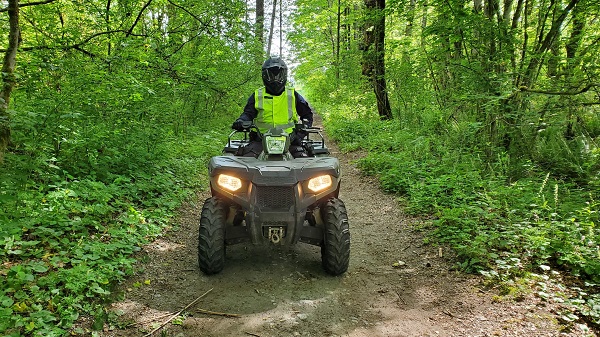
(301, 134)
(238, 125)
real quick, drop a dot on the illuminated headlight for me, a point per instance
(230, 183)
(275, 145)
(319, 183)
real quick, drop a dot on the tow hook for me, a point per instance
(275, 234)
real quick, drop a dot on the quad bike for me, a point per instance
(274, 199)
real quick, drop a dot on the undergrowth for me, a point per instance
(503, 227)
(71, 223)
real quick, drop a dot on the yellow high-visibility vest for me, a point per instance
(275, 111)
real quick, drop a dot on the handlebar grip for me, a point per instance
(246, 124)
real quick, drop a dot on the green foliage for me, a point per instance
(468, 144)
(495, 130)
(108, 139)
(503, 229)
(66, 240)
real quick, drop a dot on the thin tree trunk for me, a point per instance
(337, 45)
(374, 55)
(8, 69)
(272, 27)
(514, 24)
(507, 9)
(138, 18)
(260, 25)
(424, 22)
(109, 44)
(517, 15)
(572, 48)
(575, 38)
(107, 18)
(477, 6)
(348, 29)
(408, 31)
(545, 43)
(281, 28)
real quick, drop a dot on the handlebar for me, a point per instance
(249, 126)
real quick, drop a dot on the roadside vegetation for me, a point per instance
(507, 176)
(108, 136)
(523, 234)
(94, 175)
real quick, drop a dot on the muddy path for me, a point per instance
(395, 285)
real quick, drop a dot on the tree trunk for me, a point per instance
(272, 28)
(424, 23)
(544, 45)
(408, 31)
(572, 47)
(281, 28)
(374, 54)
(477, 6)
(530, 69)
(337, 43)
(8, 76)
(107, 20)
(260, 25)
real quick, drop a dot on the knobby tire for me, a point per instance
(335, 252)
(211, 237)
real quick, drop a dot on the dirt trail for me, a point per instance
(284, 291)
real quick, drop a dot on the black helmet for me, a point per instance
(274, 75)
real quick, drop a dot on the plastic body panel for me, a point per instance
(274, 194)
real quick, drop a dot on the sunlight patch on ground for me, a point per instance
(287, 313)
(139, 314)
(161, 245)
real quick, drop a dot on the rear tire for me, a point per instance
(211, 236)
(335, 251)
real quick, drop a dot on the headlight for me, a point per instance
(319, 183)
(276, 144)
(230, 183)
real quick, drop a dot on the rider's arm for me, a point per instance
(304, 109)
(250, 111)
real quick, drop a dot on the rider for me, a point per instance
(275, 105)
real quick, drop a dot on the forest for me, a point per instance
(481, 116)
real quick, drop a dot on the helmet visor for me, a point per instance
(274, 75)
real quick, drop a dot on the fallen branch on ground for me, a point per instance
(149, 320)
(177, 314)
(208, 312)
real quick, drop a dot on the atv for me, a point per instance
(274, 199)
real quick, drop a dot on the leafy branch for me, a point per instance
(5, 9)
(76, 46)
(137, 19)
(561, 93)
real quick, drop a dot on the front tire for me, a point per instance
(211, 236)
(335, 251)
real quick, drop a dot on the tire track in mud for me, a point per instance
(395, 285)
